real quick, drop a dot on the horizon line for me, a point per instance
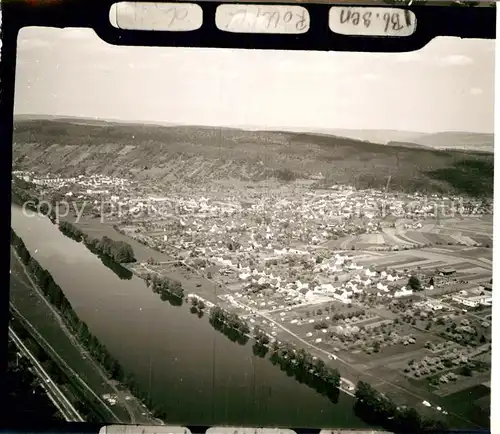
(248, 127)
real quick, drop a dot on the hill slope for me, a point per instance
(194, 155)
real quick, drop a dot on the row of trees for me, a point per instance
(230, 325)
(56, 297)
(377, 409)
(169, 289)
(24, 193)
(370, 405)
(94, 246)
(120, 271)
(88, 406)
(262, 341)
(298, 363)
(120, 251)
(307, 369)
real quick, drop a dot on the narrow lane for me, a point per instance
(77, 344)
(69, 412)
(60, 360)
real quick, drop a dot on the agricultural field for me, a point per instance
(406, 234)
(476, 265)
(193, 282)
(435, 353)
(479, 395)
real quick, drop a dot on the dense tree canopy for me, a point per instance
(119, 251)
(378, 409)
(414, 283)
(165, 286)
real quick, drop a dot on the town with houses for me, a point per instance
(393, 284)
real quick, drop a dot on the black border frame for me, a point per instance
(445, 20)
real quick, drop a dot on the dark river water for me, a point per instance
(197, 374)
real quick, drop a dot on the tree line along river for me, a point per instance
(195, 373)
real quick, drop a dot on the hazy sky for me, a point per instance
(444, 87)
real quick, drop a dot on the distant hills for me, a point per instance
(461, 140)
(457, 140)
(192, 155)
(454, 140)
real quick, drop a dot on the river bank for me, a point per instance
(179, 360)
(311, 370)
(101, 361)
(237, 330)
(404, 396)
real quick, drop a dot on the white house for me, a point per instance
(382, 287)
(327, 287)
(403, 292)
(369, 273)
(341, 295)
(473, 300)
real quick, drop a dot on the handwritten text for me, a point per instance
(262, 19)
(372, 21)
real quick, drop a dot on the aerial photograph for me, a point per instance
(251, 238)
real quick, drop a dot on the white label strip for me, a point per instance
(144, 429)
(368, 21)
(241, 18)
(171, 17)
(232, 430)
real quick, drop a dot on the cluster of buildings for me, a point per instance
(343, 208)
(92, 184)
(271, 240)
(477, 296)
(337, 277)
(473, 298)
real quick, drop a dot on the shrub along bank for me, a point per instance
(119, 251)
(230, 325)
(169, 289)
(56, 297)
(377, 409)
(370, 405)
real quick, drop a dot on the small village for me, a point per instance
(391, 283)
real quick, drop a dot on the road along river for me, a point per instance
(197, 375)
